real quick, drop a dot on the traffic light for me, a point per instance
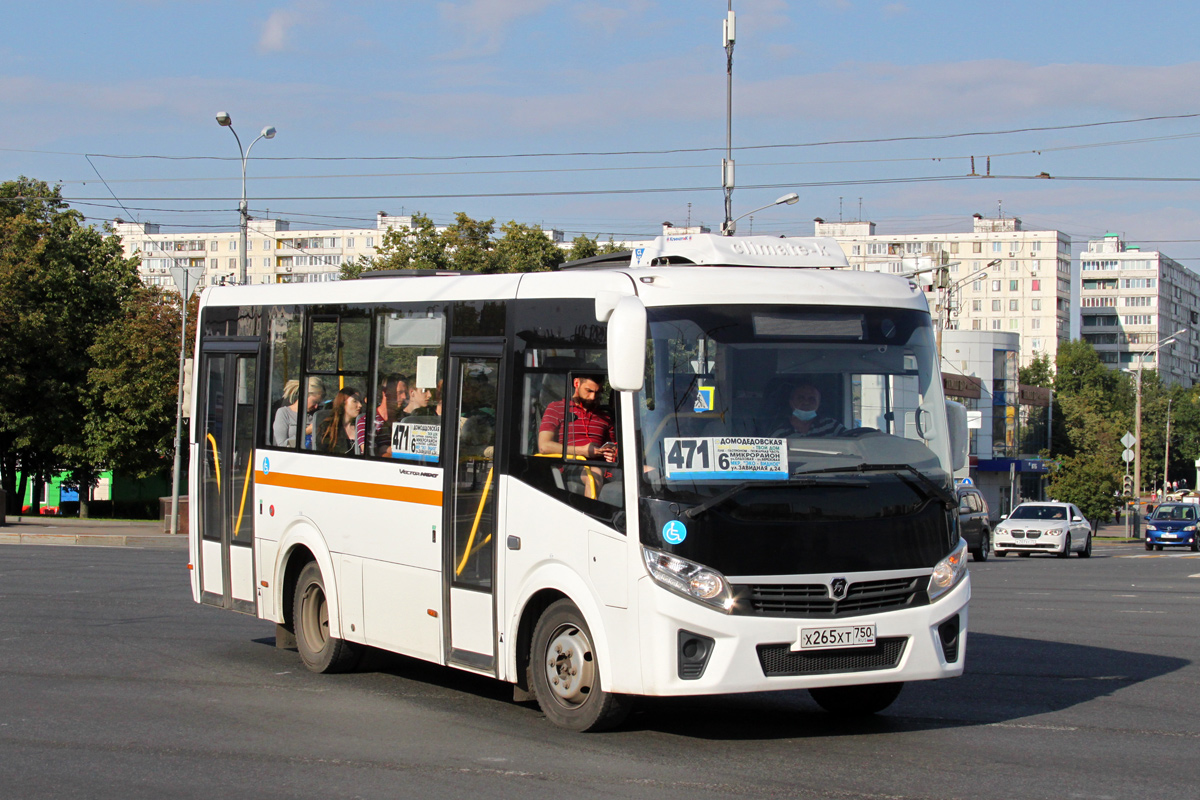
(1128, 484)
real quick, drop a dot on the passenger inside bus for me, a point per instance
(283, 428)
(803, 415)
(587, 430)
(337, 427)
(392, 396)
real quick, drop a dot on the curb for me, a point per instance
(164, 542)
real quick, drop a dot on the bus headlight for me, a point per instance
(949, 571)
(693, 581)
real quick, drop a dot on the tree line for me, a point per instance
(1094, 406)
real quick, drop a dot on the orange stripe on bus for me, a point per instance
(404, 494)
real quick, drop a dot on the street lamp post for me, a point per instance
(1137, 416)
(1167, 449)
(225, 121)
(790, 199)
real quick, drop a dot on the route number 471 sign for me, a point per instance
(725, 458)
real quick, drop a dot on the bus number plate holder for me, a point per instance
(831, 637)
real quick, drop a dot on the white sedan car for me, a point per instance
(1057, 528)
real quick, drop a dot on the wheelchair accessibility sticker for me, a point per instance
(674, 532)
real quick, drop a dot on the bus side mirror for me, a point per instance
(960, 440)
(627, 345)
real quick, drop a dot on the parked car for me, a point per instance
(973, 522)
(1058, 528)
(1172, 525)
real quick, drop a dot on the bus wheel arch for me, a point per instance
(295, 561)
(530, 614)
(565, 672)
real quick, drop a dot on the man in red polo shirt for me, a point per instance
(589, 429)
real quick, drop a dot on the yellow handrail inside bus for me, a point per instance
(245, 488)
(475, 525)
(216, 461)
(591, 478)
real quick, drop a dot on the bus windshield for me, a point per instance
(786, 414)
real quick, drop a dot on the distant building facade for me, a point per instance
(274, 252)
(1130, 299)
(1027, 293)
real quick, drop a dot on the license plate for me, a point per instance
(834, 636)
(1167, 536)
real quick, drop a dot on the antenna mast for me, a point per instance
(727, 162)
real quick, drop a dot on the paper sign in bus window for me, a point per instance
(416, 442)
(725, 458)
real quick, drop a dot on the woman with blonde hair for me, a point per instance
(283, 428)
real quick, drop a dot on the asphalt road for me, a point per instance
(1081, 682)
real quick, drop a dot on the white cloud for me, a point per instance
(275, 30)
(484, 24)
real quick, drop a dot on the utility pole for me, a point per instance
(727, 178)
(1167, 449)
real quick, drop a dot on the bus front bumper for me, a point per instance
(754, 654)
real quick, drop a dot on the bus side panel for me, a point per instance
(397, 604)
(303, 532)
(555, 554)
(265, 552)
(193, 512)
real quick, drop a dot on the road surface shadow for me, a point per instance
(1007, 678)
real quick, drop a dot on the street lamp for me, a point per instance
(225, 121)
(1137, 415)
(789, 199)
(1167, 449)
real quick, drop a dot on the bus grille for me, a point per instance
(813, 600)
(778, 660)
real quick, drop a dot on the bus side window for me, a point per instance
(592, 485)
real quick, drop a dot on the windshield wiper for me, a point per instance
(696, 511)
(932, 488)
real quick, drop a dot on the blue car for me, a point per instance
(1173, 525)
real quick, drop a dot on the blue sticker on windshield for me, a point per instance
(674, 532)
(266, 466)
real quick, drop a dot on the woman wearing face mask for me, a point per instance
(804, 401)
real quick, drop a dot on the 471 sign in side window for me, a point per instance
(725, 458)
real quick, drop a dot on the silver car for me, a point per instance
(1058, 528)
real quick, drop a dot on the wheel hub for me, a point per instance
(570, 667)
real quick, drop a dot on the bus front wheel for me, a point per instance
(565, 673)
(319, 651)
(857, 700)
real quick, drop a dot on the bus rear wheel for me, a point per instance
(564, 673)
(319, 651)
(857, 701)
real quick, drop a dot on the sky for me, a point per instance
(607, 117)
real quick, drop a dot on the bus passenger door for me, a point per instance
(470, 411)
(227, 492)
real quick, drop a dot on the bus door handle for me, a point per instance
(514, 543)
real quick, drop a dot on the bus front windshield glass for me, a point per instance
(792, 414)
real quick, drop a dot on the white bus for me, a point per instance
(773, 509)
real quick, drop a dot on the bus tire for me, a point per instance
(856, 701)
(565, 673)
(319, 651)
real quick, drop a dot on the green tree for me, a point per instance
(470, 244)
(133, 385)
(525, 248)
(61, 282)
(583, 246)
(418, 247)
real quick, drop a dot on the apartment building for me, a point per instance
(1001, 277)
(1130, 299)
(274, 252)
